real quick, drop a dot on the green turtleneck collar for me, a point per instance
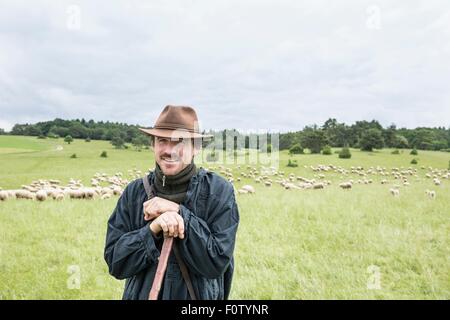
(174, 187)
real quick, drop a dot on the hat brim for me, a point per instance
(175, 134)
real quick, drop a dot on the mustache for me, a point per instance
(170, 156)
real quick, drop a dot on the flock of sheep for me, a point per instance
(104, 186)
(396, 177)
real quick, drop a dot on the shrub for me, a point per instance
(88, 139)
(327, 150)
(41, 136)
(345, 153)
(104, 154)
(118, 142)
(73, 156)
(292, 163)
(296, 149)
(396, 151)
(414, 152)
(414, 161)
(53, 136)
(68, 139)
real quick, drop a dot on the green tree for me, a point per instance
(313, 139)
(68, 139)
(400, 142)
(117, 142)
(345, 153)
(139, 142)
(296, 149)
(371, 139)
(326, 150)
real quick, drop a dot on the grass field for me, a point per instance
(292, 244)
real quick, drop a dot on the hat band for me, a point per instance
(169, 127)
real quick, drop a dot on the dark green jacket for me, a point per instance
(211, 219)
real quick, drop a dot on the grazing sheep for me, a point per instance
(76, 194)
(318, 185)
(394, 192)
(248, 188)
(289, 186)
(4, 195)
(24, 194)
(305, 185)
(346, 185)
(89, 193)
(41, 195)
(431, 193)
(267, 183)
(242, 191)
(106, 196)
(58, 195)
(436, 181)
(117, 191)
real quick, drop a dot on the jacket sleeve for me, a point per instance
(208, 246)
(128, 251)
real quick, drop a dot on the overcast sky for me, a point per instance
(260, 65)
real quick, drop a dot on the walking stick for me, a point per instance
(161, 269)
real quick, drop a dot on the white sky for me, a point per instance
(260, 65)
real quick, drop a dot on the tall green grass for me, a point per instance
(296, 244)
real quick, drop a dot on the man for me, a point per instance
(196, 207)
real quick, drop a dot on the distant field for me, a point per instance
(361, 243)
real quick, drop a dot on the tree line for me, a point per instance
(366, 135)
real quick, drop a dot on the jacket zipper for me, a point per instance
(164, 181)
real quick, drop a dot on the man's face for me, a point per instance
(173, 155)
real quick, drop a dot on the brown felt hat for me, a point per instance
(176, 122)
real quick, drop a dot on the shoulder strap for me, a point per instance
(148, 188)
(184, 270)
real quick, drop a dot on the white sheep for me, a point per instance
(106, 196)
(248, 188)
(41, 195)
(24, 194)
(318, 185)
(394, 192)
(346, 185)
(4, 195)
(431, 193)
(58, 195)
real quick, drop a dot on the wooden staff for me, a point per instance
(161, 269)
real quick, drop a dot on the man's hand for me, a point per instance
(156, 206)
(170, 223)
